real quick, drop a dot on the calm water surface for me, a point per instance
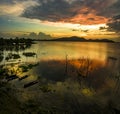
(74, 50)
(106, 53)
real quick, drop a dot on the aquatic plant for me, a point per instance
(29, 54)
(26, 68)
(12, 56)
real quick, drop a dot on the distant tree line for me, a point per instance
(15, 41)
(16, 44)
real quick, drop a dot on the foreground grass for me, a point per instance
(70, 96)
(62, 98)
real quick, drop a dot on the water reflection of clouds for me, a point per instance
(98, 76)
(56, 69)
(58, 50)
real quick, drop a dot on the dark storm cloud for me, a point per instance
(116, 8)
(51, 10)
(65, 10)
(112, 10)
(55, 10)
(114, 24)
(6, 2)
(102, 28)
(9, 2)
(74, 11)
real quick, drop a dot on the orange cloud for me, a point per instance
(86, 16)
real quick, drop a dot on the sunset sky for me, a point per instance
(58, 18)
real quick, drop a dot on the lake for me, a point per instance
(107, 54)
(74, 50)
(49, 76)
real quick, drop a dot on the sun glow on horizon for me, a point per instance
(74, 26)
